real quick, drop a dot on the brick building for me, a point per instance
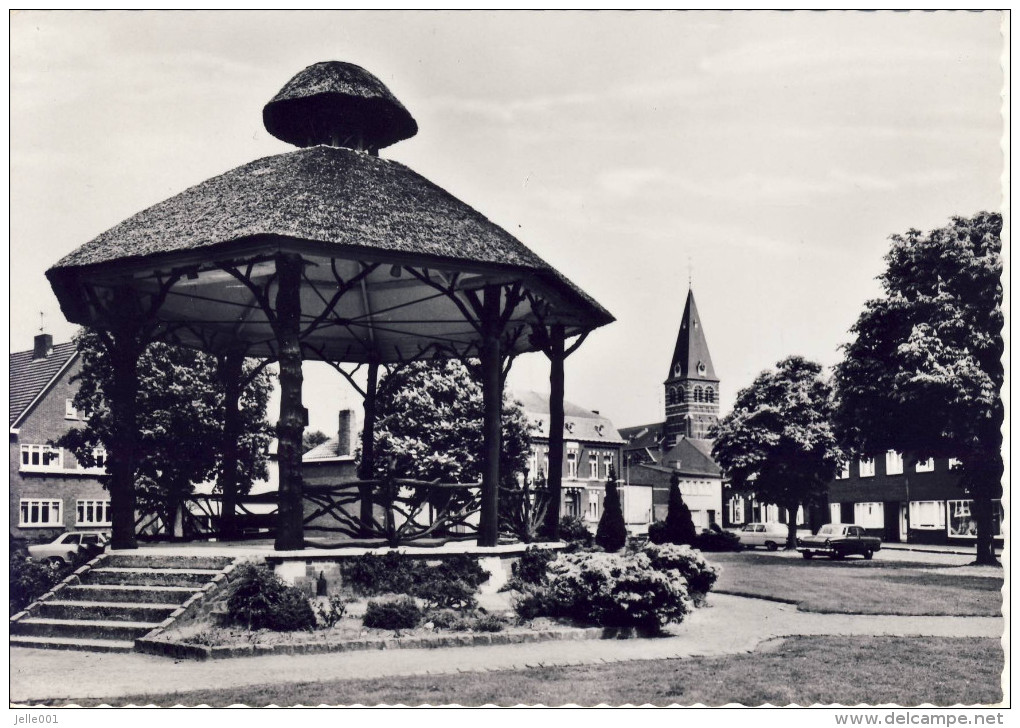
(680, 443)
(591, 445)
(49, 490)
(899, 501)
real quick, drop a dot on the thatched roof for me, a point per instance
(329, 204)
(339, 104)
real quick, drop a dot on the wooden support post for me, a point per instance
(229, 368)
(124, 348)
(291, 426)
(492, 427)
(368, 448)
(554, 478)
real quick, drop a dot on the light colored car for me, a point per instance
(66, 546)
(771, 535)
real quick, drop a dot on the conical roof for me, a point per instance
(691, 359)
(339, 104)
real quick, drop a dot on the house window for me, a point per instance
(925, 466)
(572, 465)
(709, 394)
(100, 457)
(954, 463)
(834, 513)
(593, 465)
(572, 504)
(70, 413)
(93, 512)
(41, 459)
(866, 467)
(869, 515)
(697, 394)
(962, 523)
(593, 508)
(41, 512)
(844, 471)
(927, 514)
(607, 461)
(893, 463)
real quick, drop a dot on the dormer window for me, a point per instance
(568, 426)
(677, 370)
(701, 369)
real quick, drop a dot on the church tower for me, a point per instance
(692, 389)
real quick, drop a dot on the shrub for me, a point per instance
(371, 575)
(612, 531)
(331, 610)
(29, 580)
(609, 590)
(489, 623)
(700, 575)
(657, 532)
(403, 613)
(679, 525)
(532, 567)
(718, 541)
(461, 566)
(446, 619)
(574, 531)
(441, 593)
(259, 599)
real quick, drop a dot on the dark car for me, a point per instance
(837, 540)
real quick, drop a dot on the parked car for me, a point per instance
(837, 540)
(65, 547)
(771, 535)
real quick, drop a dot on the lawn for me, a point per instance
(856, 586)
(798, 670)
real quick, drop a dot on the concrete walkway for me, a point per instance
(730, 625)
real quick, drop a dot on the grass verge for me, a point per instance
(907, 671)
(859, 587)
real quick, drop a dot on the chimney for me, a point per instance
(345, 433)
(43, 346)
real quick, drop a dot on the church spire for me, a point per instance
(691, 359)
(692, 388)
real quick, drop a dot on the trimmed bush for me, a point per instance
(718, 540)
(403, 613)
(657, 532)
(690, 564)
(679, 525)
(442, 593)
(489, 623)
(612, 531)
(370, 575)
(446, 619)
(533, 566)
(29, 580)
(574, 531)
(608, 590)
(259, 599)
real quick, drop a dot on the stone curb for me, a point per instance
(167, 648)
(71, 579)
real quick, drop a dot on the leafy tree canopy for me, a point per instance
(779, 441)
(313, 439)
(924, 371)
(180, 418)
(430, 425)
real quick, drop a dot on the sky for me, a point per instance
(764, 156)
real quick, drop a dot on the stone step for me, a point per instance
(132, 593)
(109, 611)
(150, 577)
(72, 643)
(144, 561)
(81, 628)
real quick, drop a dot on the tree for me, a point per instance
(779, 442)
(679, 524)
(429, 426)
(924, 372)
(180, 410)
(612, 531)
(313, 439)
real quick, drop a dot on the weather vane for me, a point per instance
(42, 323)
